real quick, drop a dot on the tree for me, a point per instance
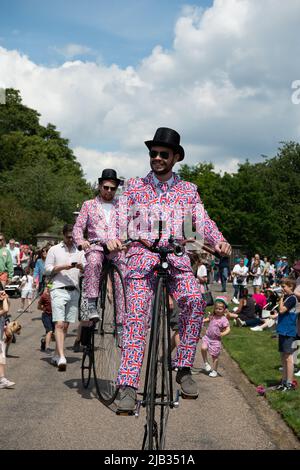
(257, 207)
(42, 182)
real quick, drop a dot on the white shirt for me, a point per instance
(107, 208)
(157, 182)
(257, 280)
(61, 254)
(239, 270)
(15, 252)
(27, 282)
(272, 269)
(201, 271)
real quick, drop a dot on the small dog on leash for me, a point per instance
(14, 327)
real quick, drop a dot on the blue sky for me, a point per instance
(115, 31)
(107, 74)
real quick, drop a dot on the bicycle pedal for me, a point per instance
(125, 413)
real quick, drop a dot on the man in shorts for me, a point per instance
(64, 263)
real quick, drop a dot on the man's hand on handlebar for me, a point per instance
(85, 245)
(114, 245)
(223, 248)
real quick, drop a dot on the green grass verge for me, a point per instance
(258, 357)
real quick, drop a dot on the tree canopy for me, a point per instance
(41, 181)
(259, 206)
(42, 184)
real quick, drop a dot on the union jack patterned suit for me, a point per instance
(91, 219)
(147, 205)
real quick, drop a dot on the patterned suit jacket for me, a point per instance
(92, 222)
(146, 207)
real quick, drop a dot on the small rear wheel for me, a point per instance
(86, 366)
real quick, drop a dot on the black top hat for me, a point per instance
(109, 174)
(166, 137)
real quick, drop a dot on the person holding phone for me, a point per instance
(64, 263)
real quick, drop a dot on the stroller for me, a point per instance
(13, 289)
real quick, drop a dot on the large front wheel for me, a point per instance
(108, 336)
(158, 390)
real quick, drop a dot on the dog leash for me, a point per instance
(24, 311)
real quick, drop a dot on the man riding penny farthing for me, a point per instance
(162, 196)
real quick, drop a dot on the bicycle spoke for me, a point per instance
(107, 342)
(157, 397)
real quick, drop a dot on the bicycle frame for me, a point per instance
(153, 430)
(161, 274)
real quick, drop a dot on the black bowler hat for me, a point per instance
(169, 138)
(109, 174)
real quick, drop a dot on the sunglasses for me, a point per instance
(1, 239)
(109, 188)
(163, 154)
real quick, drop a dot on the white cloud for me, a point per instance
(230, 165)
(69, 51)
(125, 165)
(225, 86)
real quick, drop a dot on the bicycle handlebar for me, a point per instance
(96, 242)
(178, 248)
(210, 250)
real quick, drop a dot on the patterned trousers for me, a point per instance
(93, 269)
(185, 290)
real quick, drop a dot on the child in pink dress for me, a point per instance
(211, 342)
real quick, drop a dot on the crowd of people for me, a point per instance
(161, 194)
(258, 272)
(266, 296)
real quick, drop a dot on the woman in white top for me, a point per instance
(239, 274)
(26, 288)
(256, 273)
(272, 273)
